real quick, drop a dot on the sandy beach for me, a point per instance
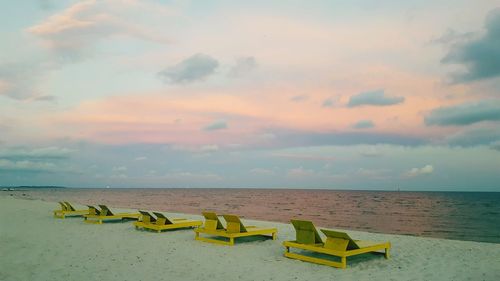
(36, 246)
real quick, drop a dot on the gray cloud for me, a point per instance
(451, 36)
(376, 98)
(475, 137)
(243, 66)
(51, 152)
(194, 68)
(27, 166)
(328, 103)
(292, 138)
(363, 124)
(464, 114)
(216, 125)
(495, 145)
(480, 55)
(299, 98)
(370, 152)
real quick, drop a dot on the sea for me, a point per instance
(473, 216)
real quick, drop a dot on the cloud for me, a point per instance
(243, 66)
(291, 138)
(376, 98)
(300, 172)
(70, 35)
(304, 157)
(261, 171)
(119, 169)
(373, 174)
(28, 166)
(216, 125)
(475, 137)
(18, 80)
(371, 152)
(195, 148)
(414, 172)
(452, 36)
(51, 152)
(329, 102)
(464, 114)
(73, 32)
(190, 177)
(299, 98)
(209, 148)
(479, 55)
(363, 124)
(495, 145)
(194, 68)
(141, 158)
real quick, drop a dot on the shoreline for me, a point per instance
(417, 215)
(44, 248)
(200, 217)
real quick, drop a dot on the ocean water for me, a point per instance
(473, 216)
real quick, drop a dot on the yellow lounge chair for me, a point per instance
(235, 229)
(68, 210)
(163, 223)
(337, 244)
(97, 217)
(93, 211)
(146, 218)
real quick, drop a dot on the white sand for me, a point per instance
(36, 246)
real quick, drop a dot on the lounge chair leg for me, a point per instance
(158, 230)
(287, 249)
(231, 241)
(344, 262)
(196, 235)
(387, 253)
(274, 235)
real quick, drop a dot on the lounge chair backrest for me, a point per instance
(339, 240)
(306, 233)
(70, 208)
(105, 211)
(234, 224)
(162, 219)
(147, 217)
(63, 206)
(93, 210)
(212, 222)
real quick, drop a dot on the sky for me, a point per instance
(359, 94)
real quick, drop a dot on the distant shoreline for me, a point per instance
(14, 188)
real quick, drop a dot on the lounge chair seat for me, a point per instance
(337, 244)
(161, 222)
(68, 210)
(235, 228)
(98, 216)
